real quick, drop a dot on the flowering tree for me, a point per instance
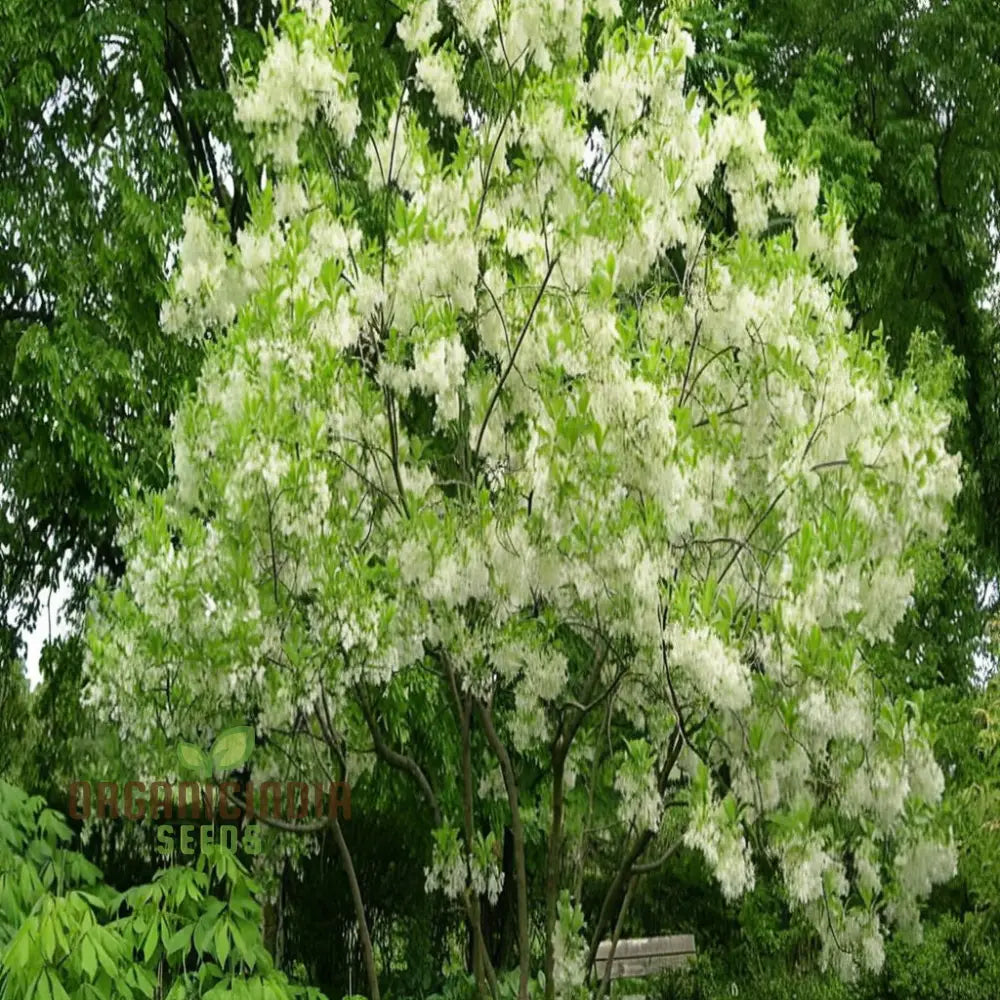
(508, 460)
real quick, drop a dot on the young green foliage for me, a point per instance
(64, 935)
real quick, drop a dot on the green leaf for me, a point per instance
(58, 990)
(88, 958)
(240, 942)
(144, 982)
(206, 924)
(152, 940)
(48, 939)
(107, 962)
(222, 942)
(233, 748)
(41, 988)
(179, 941)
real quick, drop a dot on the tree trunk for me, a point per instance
(364, 937)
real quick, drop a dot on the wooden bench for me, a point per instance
(636, 958)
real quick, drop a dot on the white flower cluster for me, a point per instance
(713, 832)
(641, 801)
(806, 867)
(437, 73)
(715, 671)
(419, 24)
(453, 872)
(298, 77)
(206, 291)
(922, 864)
(473, 17)
(448, 875)
(486, 880)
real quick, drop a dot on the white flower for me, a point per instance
(713, 669)
(473, 16)
(436, 73)
(419, 24)
(723, 846)
(920, 865)
(318, 10)
(804, 865)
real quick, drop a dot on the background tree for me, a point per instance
(112, 116)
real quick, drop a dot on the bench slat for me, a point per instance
(675, 944)
(639, 968)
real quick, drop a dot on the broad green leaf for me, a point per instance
(58, 990)
(223, 944)
(48, 939)
(180, 940)
(152, 940)
(203, 930)
(144, 982)
(88, 958)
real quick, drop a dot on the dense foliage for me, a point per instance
(193, 932)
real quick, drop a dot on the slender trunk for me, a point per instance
(627, 866)
(359, 910)
(481, 964)
(553, 866)
(475, 933)
(581, 862)
(568, 729)
(473, 907)
(279, 937)
(614, 892)
(619, 924)
(269, 926)
(486, 966)
(500, 918)
(517, 829)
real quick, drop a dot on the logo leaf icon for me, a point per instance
(193, 758)
(233, 748)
